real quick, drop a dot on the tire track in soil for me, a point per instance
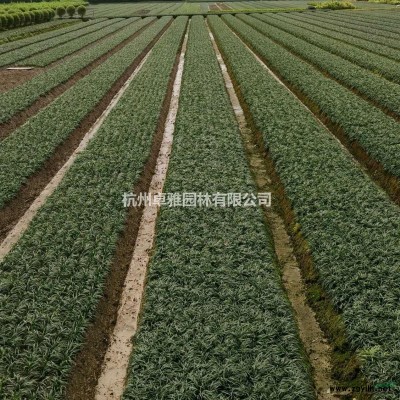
(6, 128)
(315, 344)
(15, 208)
(90, 361)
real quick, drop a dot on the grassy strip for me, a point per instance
(377, 133)
(27, 51)
(33, 30)
(46, 36)
(376, 64)
(54, 277)
(44, 58)
(19, 98)
(22, 153)
(215, 319)
(351, 229)
(347, 32)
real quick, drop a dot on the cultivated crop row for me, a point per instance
(23, 152)
(56, 53)
(366, 23)
(24, 95)
(365, 59)
(392, 18)
(27, 51)
(349, 33)
(365, 41)
(376, 17)
(342, 215)
(371, 85)
(46, 36)
(376, 132)
(128, 9)
(215, 319)
(50, 294)
(31, 30)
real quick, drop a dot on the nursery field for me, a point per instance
(201, 206)
(142, 8)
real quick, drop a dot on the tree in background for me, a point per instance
(71, 11)
(81, 11)
(60, 11)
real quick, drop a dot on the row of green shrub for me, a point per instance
(23, 18)
(26, 6)
(17, 17)
(71, 10)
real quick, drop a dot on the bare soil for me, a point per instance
(223, 6)
(12, 78)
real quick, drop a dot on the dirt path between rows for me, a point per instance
(214, 7)
(20, 118)
(315, 344)
(112, 380)
(15, 209)
(223, 6)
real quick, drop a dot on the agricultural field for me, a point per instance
(200, 200)
(203, 7)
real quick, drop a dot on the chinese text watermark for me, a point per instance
(192, 199)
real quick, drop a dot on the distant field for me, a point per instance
(178, 8)
(268, 264)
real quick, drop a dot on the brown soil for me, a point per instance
(88, 363)
(214, 7)
(12, 78)
(223, 6)
(14, 209)
(20, 118)
(315, 344)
